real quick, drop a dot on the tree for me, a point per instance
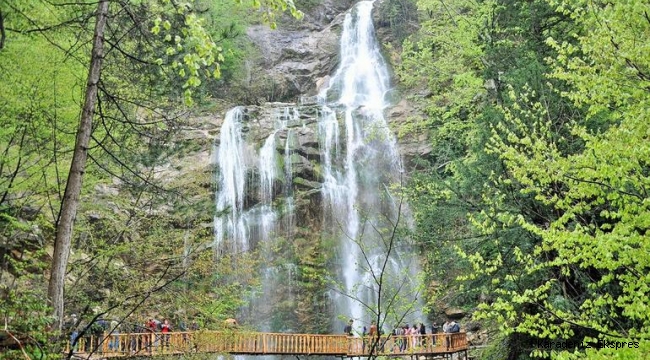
(597, 247)
(500, 189)
(77, 167)
(3, 34)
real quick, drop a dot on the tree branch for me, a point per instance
(81, 19)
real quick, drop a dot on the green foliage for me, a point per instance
(189, 50)
(313, 301)
(398, 15)
(599, 241)
(270, 7)
(37, 115)
(444, 61)
(541, 187)
(25, 315)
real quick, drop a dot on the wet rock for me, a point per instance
(302, 167)
(307, 138)
(311, 100)
(454, 313)
(305, 184)
(309, 152)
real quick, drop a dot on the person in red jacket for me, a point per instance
(165, 328)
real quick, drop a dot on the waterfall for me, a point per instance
(357, 193)
(359, 168)
(229, 220)
(267, 169)
(267, 215)
(288, 188)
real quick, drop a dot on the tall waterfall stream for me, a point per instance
(359, 177)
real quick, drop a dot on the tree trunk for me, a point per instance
(2, 31)
(77, 168)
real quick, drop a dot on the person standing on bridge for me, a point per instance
(373, 328)
(348, 328)
(114, 343)
(423, 335)
(373, 335)
(165, 328)
(414, 331)
(151, 338)
(446, 328)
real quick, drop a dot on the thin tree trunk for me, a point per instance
(2, 31)
(77, 169)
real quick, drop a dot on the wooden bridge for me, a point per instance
(253, 343)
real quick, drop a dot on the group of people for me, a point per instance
(450, 326)
(102, 330)
(405, 336)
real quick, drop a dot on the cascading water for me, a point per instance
(288, 188)
(358, 197)
(229, 221)
(359, 166)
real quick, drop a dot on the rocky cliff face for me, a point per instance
(300, 56)
(296, 61)
(296, 147)
(296, 58)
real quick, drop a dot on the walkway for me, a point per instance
(253, 343)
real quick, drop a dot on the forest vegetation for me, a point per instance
(533, 206)
(531, 211)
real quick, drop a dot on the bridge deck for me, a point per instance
(253, 343)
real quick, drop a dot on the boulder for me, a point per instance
(454, 313)
(477, 338)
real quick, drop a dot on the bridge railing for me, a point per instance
(408, 344)
(270, 343)
(239, 342)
